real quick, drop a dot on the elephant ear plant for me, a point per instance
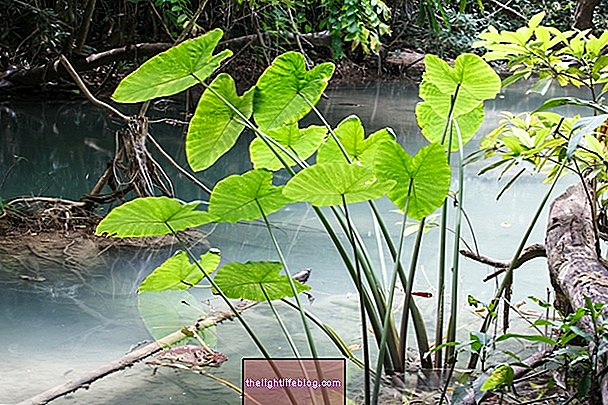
(349, 168)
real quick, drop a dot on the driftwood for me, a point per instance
(531, 252)
(575, 267)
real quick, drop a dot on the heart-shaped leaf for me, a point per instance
(300, 142)
(240, 197)
(174, 70)
(351, 135)
(326, 184)
(285, 91)
(166, 312)
(215, 127)
(442, 102)
(428, 172)
(471, 75)
(246, 280)
(152, 216)
(177, 273)
(433, 126)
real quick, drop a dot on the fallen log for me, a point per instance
(576, 270)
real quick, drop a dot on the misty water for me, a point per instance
(56, 330)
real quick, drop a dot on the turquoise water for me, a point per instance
(58, 329)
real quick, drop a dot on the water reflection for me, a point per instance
(58, 329)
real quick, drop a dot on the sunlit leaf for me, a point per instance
(351, 135)
(502, 375)
(433, 126)
(300, 142)
(442, 102)
(240, 197)
(286, 89)
(246, 280)
(215, 127)
(177, 273)
(428, 172)
(174, 70)
(326, 184)
(152, 216)
(584, 125)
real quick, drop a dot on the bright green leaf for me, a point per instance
(239, 197)
(300, 142)
(177, 273)
(286, 89)
(530, 338)
(152, 216)
(215, 127)
(246, 280)
(174, 70)
(502, 375)
(351, 135)
(433, 126)
(428, 171)
(326, 184)
(442, 102)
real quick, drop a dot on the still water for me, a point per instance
(56, 330)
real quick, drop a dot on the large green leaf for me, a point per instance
(471, 75)
(166, 312)
(501, 375)
(174, 70)
(442, 102)
(433, 126)
(351, 135)
(177, 273)
(326, 184)
(239, 197)
(428, 171)
(151, 216)
(300, 142)
(215, 127)
(286, 89)
(246, 280)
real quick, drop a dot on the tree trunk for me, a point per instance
(575, 268)
(583, 15)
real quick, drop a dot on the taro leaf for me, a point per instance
(428, 171)
(441, 102)
(245, 281)
(152, 216)
(502, 375)
(177, 273)
(174, 70)
(215, 126)
(300, 142)
(471, 75)
(351, 135)
(326, 184)
(286, 89)
(236, 197)
(433, 125)
(166, 312)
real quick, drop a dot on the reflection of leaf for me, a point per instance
(286, 88)
(151, 216)
(428, 172)
(246, 280)
(300, 142)
(177, 273)
(236, 197)
(326, 184)
(174, 70)
(215, 127)
(169, 311)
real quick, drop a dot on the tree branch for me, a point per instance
(531, 252)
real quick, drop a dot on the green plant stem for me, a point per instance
(388, 314)
(508, 279)
(359, 285)
(286, 333)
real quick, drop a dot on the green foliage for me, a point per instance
(327, 184)
(173, 71)
(177, 273)
(286, 91)
(256, 280)
(427, 173)
(501, 376)
(152, 216)
(215, 126)
(246, 197)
